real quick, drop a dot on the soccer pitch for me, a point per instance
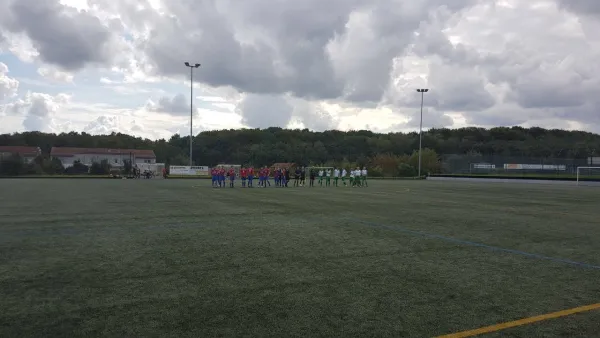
(142, 258)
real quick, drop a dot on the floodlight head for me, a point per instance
(425, 90)
(187, 64)
(197, 65)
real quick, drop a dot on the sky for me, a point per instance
(103, 66)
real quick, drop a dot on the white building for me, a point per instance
(27, 153)
(116, 157)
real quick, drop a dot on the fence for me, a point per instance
(465, 164)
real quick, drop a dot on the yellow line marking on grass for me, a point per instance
(524, 321)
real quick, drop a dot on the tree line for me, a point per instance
(394, 151)
(15, 165)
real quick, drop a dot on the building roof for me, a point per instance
(69, 151)
(21, 150)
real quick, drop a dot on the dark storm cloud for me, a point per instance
(63, 36)
(586, 7)
(311, 49)
(176, 105)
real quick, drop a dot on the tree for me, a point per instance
(127, 167)
(430, 161)
(100, 168)
(266, 146)
(44, 164)
(12, 165)
(77, 168)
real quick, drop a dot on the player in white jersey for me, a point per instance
(344, 174)
(328, 177)
(363, 176)
(321, 177)
(357, 177)
(352, 177)
(336, 176)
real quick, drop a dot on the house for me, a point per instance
(115, 157)
(27, 153)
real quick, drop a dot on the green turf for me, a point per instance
(147, 258)
(549, 176)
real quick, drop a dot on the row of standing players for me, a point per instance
(281, 176)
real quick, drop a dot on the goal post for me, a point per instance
(587, 174)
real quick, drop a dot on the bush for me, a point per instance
(12, 165)
(375, 172)
(406, 170)
(44, 164)
(102, 168)
(127, 167)
(77, 168)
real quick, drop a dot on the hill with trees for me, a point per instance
(266, 146)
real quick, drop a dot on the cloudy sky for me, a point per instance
(106, 65)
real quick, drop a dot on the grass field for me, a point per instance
(551, 176)
(147, 258)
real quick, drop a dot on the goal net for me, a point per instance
(588, 176)
(154, 168)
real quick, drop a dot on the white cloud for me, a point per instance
(38, 110)
(108, 124)
(8, 85)
(55, 75)
(314, 64)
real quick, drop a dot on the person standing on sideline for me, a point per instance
(311, 176)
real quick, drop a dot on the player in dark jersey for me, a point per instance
(297, 177)
(303, 177)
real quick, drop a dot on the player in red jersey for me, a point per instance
(266, 175)
(231, 177)
(222, 173)
(213, 173)
(261, 177)
(250, 177)
(244, 175)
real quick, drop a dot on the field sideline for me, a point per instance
(141, 258)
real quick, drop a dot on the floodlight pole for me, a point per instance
(422, 91)
(187, 64)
